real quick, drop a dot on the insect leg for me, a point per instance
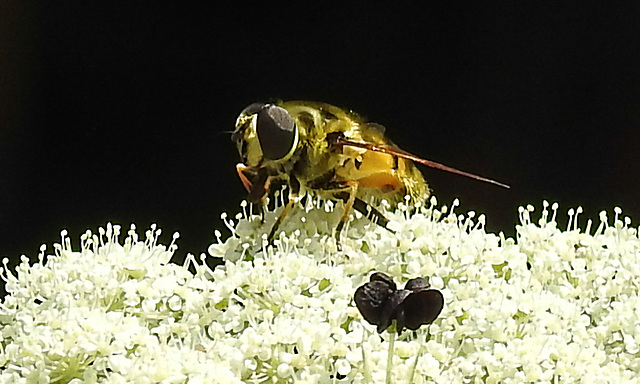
(366, 209)
(258, 186)
(287, 208)
(294, 197)
(376, 216)
(353, 188)
(262, 187)
(241, 168)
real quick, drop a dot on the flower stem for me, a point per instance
(392, 341)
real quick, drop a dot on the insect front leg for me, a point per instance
(258, 187)
(241, 169)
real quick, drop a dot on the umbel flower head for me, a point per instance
(551, 305)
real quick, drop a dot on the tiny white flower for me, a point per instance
(547, 306)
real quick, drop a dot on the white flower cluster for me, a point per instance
(554, 306)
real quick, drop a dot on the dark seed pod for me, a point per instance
(418, 309)
(371, 299)
(417, 284)
(380, 302)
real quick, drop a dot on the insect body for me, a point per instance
(322, 149)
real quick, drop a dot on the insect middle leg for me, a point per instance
(366, 209)
(353, 189)
(293, 199)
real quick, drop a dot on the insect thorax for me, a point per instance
(327, 171)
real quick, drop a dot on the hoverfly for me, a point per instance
(322, 149)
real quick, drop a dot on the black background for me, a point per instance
(118, 111)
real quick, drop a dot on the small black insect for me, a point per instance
(380, 302)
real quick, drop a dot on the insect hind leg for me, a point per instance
(371, 213)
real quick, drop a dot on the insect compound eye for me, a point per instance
(252, 109)
(242, 123)
(243, 120)
(276, 131)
